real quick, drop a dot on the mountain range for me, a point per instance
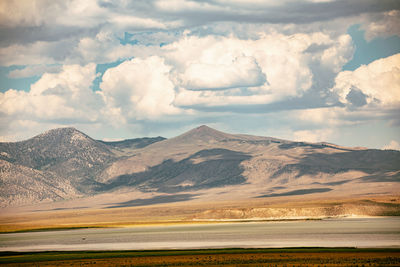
(202, 163)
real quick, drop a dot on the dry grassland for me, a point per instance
(192, 212)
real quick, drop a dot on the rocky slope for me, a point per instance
(23, 185)
(65, 151)
(65, 158)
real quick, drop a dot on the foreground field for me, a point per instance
(225, 257)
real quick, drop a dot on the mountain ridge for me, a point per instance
(202, 161)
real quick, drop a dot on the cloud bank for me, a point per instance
(137, 68)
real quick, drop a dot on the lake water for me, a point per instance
(350, 232)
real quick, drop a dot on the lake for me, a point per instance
(346, 232)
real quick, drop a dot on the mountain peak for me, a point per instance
(203, 133)
(64, 134)
(62, 131)
(203, 128)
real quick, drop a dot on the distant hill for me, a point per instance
(203, 163)
(65, 153)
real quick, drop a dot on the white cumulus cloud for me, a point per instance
(376, 83)
(64, 95)
(272, 67)
(237, 72)
(140, 89)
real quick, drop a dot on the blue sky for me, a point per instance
(301, 70)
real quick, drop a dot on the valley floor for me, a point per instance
(51, 216)
(219, 257)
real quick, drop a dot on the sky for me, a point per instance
(309, 70)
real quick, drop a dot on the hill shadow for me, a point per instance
(204, 169)
(310, 145)
(377, 163)
(154, 200)
(298, 192)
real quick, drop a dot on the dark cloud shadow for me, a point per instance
(204, 169)
(298, 192)
(154, 200)
(381, 164)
